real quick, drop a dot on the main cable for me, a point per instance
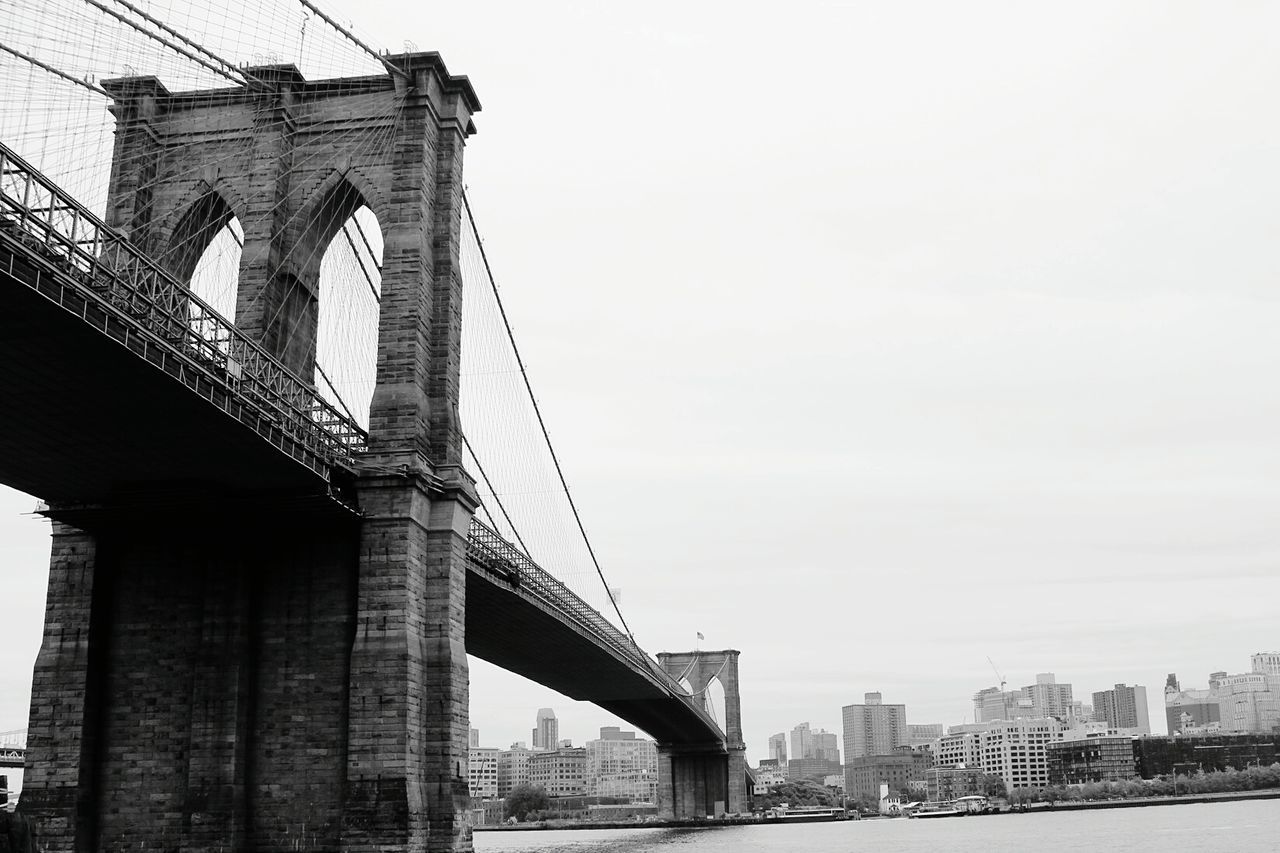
(524, 374)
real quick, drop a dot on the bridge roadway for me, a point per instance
(110, 387)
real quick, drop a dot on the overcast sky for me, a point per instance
(878, 339)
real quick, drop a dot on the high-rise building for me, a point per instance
(826, 746)
(546, 734)
(482, 772)
(992, 703)
(619, 764)
(513, 768)
(474, 738)
(807, 743)
(873, 728)
(778, 749)
(801, 742)
(923, 734)
(1123, 708)
(1048, 697)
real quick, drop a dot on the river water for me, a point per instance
(1240, 827)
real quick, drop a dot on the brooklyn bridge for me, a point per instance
(264, 585)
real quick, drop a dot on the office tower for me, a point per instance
(546, 734)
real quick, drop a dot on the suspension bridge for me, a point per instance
(260, 375)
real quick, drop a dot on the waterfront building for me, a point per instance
(546, 733)
(947, 783)
(865, 774)
(923, 734)
(619, 764)
(1048, 698)
(482, 772)
(1016, 750)
(513, 768)
(1161, 756)
(1123, 707)
(873, 728)
(1099, 758)
(560, 772)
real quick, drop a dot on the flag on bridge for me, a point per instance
(700, 637)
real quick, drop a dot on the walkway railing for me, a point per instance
(142, 298)
(490, 551)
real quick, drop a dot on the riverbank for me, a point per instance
(1143, 802)
(1032, 808)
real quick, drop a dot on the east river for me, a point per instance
(1239, 827)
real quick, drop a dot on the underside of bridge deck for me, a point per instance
(88, 421)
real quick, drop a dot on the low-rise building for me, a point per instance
(1102, 758)
(1162, 756)
(948, 783)
(864, 775)
(769, 774)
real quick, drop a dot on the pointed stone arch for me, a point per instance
(193, 228)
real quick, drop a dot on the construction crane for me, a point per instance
(1004, 696)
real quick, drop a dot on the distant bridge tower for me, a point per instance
(232, 671)
(693, 780)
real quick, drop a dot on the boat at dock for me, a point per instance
(805, 814)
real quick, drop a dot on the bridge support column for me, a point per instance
(407, 742)
(693, 782)
(57, 787)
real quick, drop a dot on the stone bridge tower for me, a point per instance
(228, 671)
(697, 781)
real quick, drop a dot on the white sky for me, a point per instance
(880, 338)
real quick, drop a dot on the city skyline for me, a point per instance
(1012, 363)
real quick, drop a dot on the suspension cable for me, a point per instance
(64, 75)
(351, 37)
(496, 499)
(524, 374)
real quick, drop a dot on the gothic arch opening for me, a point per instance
(350, 288)
(204, 252)
(713, 701)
